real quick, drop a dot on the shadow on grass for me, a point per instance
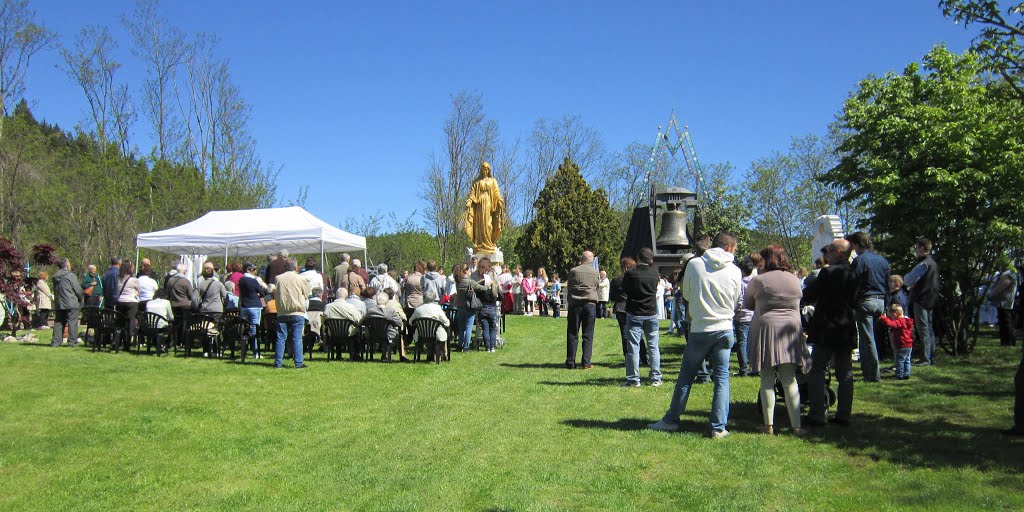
(534, 366)
(604, 381)
(930, 444)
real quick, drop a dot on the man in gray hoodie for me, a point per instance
(711, 288)
(67, 302)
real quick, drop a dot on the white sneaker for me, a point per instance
(719, 434)
(663, 426)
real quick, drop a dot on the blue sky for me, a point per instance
(353, 94)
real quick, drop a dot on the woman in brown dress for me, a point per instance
(777, 348)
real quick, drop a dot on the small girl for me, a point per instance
(542, 291)
(530, 291)
(901, 328)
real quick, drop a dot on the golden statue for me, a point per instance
(485, 212)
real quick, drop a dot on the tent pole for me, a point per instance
(322, 262)
(136, 257)
(225, 257)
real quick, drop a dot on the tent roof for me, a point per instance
(252, 233)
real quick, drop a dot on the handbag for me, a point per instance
(473, 302)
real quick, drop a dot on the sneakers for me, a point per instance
(663, 426)
(631, 384)
(719, 434)
(656, 383)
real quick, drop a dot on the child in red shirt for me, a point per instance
(901, 329)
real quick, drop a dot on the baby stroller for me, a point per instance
(801, 378)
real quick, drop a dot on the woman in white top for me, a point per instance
(147, 289)
(660, 297)
(43, 300)
(127, 301)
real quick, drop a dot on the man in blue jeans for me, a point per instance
(290, 295)
(872, 273)
(711, 288)
(925, 286)
(641, 286)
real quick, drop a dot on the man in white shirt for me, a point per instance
(711, 287)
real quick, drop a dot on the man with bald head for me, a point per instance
(833, 332)
(582, 292)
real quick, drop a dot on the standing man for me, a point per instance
(925, 286)
(110, 283)
(833, 332)
(711, 288)
(1002, 294)
(67, 302)
(872, 272)
(290, 295)
(640, 284)
(276, 267)
(179, 293)
(340, 271)
(92, 287)
(582, 291)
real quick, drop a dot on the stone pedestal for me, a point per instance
(497, 257)
(826, 229)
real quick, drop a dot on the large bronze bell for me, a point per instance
(672, 236)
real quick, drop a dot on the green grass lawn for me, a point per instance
(512, 430)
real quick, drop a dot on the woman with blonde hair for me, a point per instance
(542, 299)
(42, 298)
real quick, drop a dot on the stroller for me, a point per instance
(801, 379)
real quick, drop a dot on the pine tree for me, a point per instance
(570, 218)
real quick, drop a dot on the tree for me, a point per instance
(725, 208)
(935, 152)
(1000, 42)
(20, 39)
(469, 139)
(570, 218)
(553, 141)
(163, 47)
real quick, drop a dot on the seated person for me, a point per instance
(342, 308)
(380, 309)
(231, 302)
(356, 301)
(431, 309)
(161, 306)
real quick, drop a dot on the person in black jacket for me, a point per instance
(641, 288)
(618, 297)
(833, 332)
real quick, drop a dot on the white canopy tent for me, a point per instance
(253, 233)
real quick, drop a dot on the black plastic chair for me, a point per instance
(110, 325)
(426, 338)
(235, 332)
(90, 318)
(377, 336)
(202, 328)
(152, 332)
(268, 332)
(340, 335)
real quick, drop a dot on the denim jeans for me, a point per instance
(699, 345)
(646, 326)
(903, 364)
(467, 319)
(252, 315)
(867, 309)
(489, 325)
(742, 330)
(289, 326)
(925, 333)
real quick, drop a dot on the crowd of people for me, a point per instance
(787, 328)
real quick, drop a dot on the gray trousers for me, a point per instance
(61, 318)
